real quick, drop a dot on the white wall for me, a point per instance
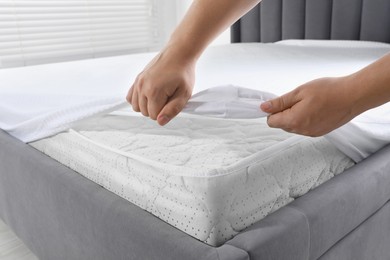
(18, 50)
(174, 10)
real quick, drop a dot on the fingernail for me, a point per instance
(266, 106)
(163, 120)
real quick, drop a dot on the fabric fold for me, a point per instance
(228, 102)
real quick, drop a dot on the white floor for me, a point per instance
(11, 248)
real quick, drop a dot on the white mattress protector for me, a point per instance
(46, 115)
(210, 178)
(228, 102)
(39, 101)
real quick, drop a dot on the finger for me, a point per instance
(143, 105)
(134, 101)
(175, 104)
(280, 120)
(155, 105)
(130, 94)
(280, 104)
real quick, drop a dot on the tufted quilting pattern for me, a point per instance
(210, 178)
(275, 20)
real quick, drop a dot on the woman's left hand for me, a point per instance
(313, 109)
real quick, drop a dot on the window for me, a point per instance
(43, 31)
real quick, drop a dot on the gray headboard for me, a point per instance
(275, 20)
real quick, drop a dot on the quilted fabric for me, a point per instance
(210, 178)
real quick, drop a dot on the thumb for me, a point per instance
(173, 107)
(279, 104)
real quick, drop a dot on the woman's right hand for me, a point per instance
(163, 88)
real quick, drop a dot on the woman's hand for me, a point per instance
(320, 106)
(313, 109)
(163, 88)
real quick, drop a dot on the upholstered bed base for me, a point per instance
(61, 215)
(275, 20)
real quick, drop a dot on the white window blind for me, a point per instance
(43, 31)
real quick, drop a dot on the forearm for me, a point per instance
(203, 22)
(370, 87)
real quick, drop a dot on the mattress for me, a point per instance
(210, 178)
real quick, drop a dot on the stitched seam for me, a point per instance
(331, 19)
(281, 19)
(304, 19)
(308, 229)
(361, 20)
(219, 258)
(260, 24)
(259, 21)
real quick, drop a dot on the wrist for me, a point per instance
(370, 87)
(357, 94)
(181, 52)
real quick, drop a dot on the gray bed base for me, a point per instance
(275, 20)
(61, 215)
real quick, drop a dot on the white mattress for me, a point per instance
(210, 178)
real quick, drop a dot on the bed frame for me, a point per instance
(61, 215)
(275, 20)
